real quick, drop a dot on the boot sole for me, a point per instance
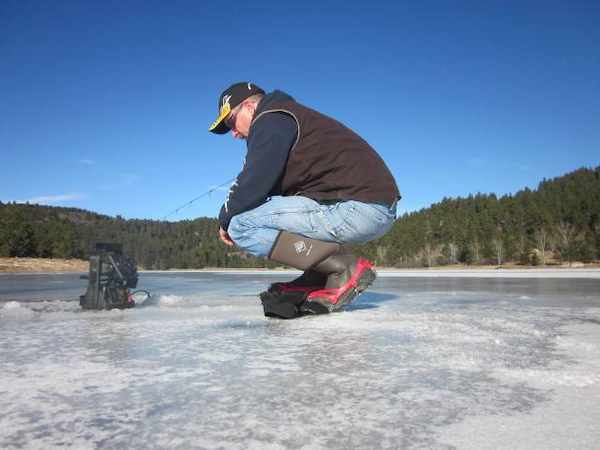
(366, 279)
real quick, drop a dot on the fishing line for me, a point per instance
(210, 191)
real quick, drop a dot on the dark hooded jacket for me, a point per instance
(294, 150)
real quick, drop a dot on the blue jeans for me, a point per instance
(349, 222)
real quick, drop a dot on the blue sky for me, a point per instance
(105, 105)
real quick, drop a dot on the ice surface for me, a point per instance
(415, 363)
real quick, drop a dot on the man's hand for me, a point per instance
(225, 237)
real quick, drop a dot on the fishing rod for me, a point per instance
(210, 191)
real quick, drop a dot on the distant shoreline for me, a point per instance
(58, 266)
(492, 272)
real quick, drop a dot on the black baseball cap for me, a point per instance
(229, 99)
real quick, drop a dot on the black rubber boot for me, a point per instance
(310, 280)
(285, 300)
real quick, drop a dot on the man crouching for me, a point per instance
(309, 185)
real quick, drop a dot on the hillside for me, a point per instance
(559, 221)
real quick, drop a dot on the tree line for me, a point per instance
(557, 222)
(56, 232)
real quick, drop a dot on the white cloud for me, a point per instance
(87, 162)
(53, 199)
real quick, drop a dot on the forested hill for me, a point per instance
(54, 232)
(559, 221)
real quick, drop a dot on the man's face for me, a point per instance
(240, 120)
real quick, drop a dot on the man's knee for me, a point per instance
(242, 226)
(250, 236)
(235, 229)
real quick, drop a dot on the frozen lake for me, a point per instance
(416, 362)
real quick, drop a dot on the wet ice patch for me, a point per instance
(172, 301)
(15, 310)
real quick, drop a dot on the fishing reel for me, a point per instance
(111, 277)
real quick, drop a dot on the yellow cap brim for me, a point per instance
(218, 126)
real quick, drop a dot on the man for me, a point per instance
(309, 184)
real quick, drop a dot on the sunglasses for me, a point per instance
(230, 121)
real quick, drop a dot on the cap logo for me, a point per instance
(225, 107)
(225, 100)
(249, 87)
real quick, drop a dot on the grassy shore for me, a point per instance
(43, 265)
